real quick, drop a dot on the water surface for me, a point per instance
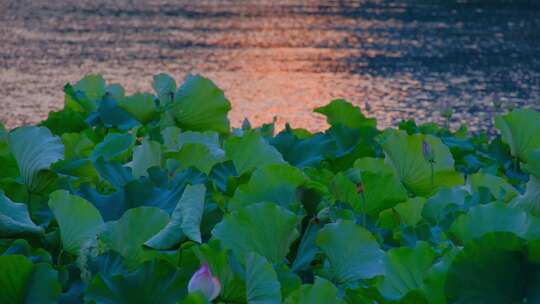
(406, 59)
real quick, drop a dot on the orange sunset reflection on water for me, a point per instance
(279, 59)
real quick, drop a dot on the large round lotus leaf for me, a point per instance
(264, 228)
(530, 200)
(15, 272)
(276, 183)
(499, 188)
(115, 146)
(195, 155)
(410, 211)
(145, 156)
(128, 234)
(406, 269)
(339, 111)
(405, 154)
(185, 220)
(165, 87)
(251, 151)
(262, 285)
(520, 129)
(14, 219)
(303, 152)
(156, 281)
(92, 86)
(141, 106)
(533, 165)
(199, 105)
(23, 282)
(352, 252)
(209, 139)
(493, 270)
(35, 149)
(79, 220)
(436, 207)
(494, 217)
(43, 286)
(382, 188)
(321, 292)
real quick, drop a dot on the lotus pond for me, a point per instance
(154, 198)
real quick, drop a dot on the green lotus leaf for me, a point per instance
(262, 285)
(78, 220)
(195, 155)
(498, 187)
(35, 149)
(165, 87)
(405, 154)
(381, 186)
(339, 111)
(8, 161)
(22, 247)
(520, 129)
(530, 200)
(199, 105)
(251, 151)
(156, 191)
(436, 207)
(346, 191)
(145, 156)
(209, 139)
(307, 249)
(110, 115)
(494, 217)
(289, 280)
(170, 136)
(141, 106)
(493, 269)
(23, 282)
(43, 285)
(321, 292)
(276, 183)
(410, 212)
(185, 220)
(435, 278)
(405, 271)
(304, 152)
(194, 298)
(93, 87)
(352, 252)
(533, 165)
(115, 90)
(264, 228)
(156, 281)
(14, 219)
(115, 146)
(128, 234)
(77, 145)
(15, 274)
(65, 121)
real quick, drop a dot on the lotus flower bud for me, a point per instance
(429, 155)
(202, 281)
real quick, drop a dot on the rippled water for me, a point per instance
(407, 59)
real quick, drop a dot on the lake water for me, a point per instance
(406, 59)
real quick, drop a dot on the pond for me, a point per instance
(396, 59)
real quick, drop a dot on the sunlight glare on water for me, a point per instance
(407, 59)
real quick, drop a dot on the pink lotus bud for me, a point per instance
(203, 281)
